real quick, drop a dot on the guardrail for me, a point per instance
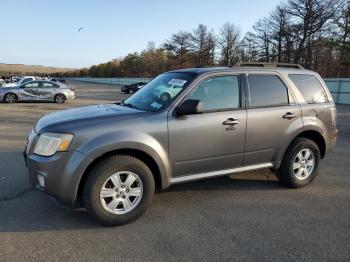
(112, 81)
(339, 87)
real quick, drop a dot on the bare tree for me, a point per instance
(344, 34)
(229, 44)
(249, 50)
(262, 39)
(154, 60)
(311, 18)
(202, 45)
(281, 33)
(181, 44)
(211, 45)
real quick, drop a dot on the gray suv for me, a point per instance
(184, 125)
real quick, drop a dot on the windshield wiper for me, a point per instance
(129, 105)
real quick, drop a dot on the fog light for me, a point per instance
(41, 181)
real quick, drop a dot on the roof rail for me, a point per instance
(265, 64)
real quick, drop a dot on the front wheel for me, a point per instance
(10, 98)
(60, 98)
(118, 190)
(131, 91)
(300, 163)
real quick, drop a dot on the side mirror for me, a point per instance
(190, 107)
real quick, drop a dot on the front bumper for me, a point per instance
(71, 96)
(58, 175)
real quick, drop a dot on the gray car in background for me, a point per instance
(37, 90)
(213, 122)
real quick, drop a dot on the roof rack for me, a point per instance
(265, 64)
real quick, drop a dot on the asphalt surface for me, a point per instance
(248, 217)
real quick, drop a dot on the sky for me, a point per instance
(44, 32)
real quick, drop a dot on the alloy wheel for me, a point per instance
(10, 98)
(304, 164)
(60, 99)
(121, 192)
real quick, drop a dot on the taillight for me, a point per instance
(335, 134)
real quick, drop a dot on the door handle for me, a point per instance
(289, 115)
(230, 122)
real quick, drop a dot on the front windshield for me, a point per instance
(160, 92)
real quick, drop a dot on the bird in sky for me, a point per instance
(80, 29)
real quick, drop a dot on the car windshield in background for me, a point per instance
(160, 92)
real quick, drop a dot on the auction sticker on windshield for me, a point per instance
(156, 105)
(177, 82)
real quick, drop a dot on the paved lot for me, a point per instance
(248, 217)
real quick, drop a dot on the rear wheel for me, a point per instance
(11, 98)
(300, 163)
(60, 98)
(118, 190)
(131, 91)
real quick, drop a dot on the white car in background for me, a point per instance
(169, 90)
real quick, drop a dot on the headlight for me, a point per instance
(50, 143)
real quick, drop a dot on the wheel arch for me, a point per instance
(311, 134)
(10, 92)
(166, 92)
(317, 138)
(160, 181)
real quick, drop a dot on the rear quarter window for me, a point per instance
(311, 89)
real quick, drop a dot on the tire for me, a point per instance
(165, 97)
(297, 156)
(10, 98)
(104, 209)
(60, 98)
(131, 91)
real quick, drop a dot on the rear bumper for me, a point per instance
(332, 140)
(58, 175)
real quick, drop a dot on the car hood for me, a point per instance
(8, 85)
(83, 113)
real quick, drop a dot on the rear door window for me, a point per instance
(311, 89)
(48, 85)
(266, 90)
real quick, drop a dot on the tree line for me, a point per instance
(313, 33)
